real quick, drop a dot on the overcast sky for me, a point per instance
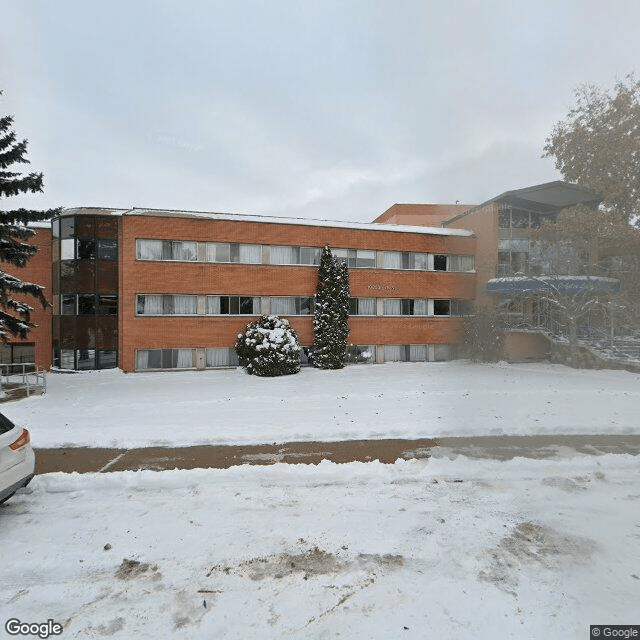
(315, 108)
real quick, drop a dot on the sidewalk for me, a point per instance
(85, 460)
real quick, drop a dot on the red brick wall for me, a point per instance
(520, 346)
(203, 278)
(38, 271)
(484, 224)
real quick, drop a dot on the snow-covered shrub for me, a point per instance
(269, 347)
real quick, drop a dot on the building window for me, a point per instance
(405, 307)
(165, 359)
(86, 304)
(461, 263)
(392, 260)
(218, 252)
(362, 306)
(418, 353)
(107, 249)
(167, 250)
(360, 354)
(440, 262)
(246, 253)
(68, 304)
(284, 255)
(166, 305)
(395, 353)
(310, 255)
(291, 306)
(442, 307)
(86, 249)
(221, 357)
(107, 305)
(233, 305)
(358, 258)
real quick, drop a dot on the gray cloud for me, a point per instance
(320, 109)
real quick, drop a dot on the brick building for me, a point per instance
(152, 289)
(149, 289)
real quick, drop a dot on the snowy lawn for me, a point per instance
(404, 400)
(439, 549)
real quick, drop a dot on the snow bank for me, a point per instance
(403, 400)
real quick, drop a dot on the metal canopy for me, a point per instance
(575, 285)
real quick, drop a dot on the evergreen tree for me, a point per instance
(331, 315)
(269, 347)
(15, 314)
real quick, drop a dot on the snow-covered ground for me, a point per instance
(419, 549)
(403, 400)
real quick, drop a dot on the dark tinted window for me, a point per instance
(86, 249)
(440, 263)
(107, 249)
(5, 424)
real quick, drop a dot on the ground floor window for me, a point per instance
(417, 352)
(165, 359)
(84, 359)
(360, 354)
(17, 355)
(221, 357)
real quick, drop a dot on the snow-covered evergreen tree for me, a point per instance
(15, 314)
(331, 315)
(269, 347)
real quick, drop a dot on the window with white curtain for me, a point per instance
(213, 305)
(283, 306)
(166, 305)
(418, 353)
(394, 353)
(392, 306)
(185, 305)
(366, 306)
(149, 305)
(392, 260)
(461, 263)
(149, 249)
(165, 359)
(221, 357)
(250, 253)
(362, 306)
(284, 255)
(142, 359)
(420, 307)
(184, 359)
(186, 251)
(217, 252)
(418, 261)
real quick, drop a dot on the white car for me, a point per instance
(17, 461)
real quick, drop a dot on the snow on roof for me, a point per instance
(564, 284)
(239, 217)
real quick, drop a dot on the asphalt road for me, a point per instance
(84, 460)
